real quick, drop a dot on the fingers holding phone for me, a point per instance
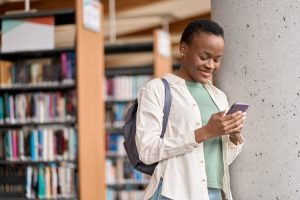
(234, 122)
(224, 123)
(220, 124)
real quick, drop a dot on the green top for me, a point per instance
(213, 152)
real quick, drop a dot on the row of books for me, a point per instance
(37, 107)
(124, 87)
(115, 115)
(38, 144)
(120, 171)
(51, 181)
(38, 71)
(12, 181)
(112, 194)
(114, 144)
(41, 181)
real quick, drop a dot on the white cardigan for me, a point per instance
(180, 157)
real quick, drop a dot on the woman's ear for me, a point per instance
(182, 49)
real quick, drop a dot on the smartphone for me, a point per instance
(237, 107)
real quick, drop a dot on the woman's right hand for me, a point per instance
(220, 124)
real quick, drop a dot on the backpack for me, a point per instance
(129, 130)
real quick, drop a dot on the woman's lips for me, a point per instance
(205, 73)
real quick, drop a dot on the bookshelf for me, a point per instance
(122, 182)
(33, 88)
(76, 129)
(4, 162)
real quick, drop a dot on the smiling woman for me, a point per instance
(201, 52)
(200, 141)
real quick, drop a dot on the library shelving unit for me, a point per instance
(122, 181)
(84, 124)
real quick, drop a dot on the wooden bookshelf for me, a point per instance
(90, 70)
(18, 55)
(129, 70)
(28, 162)
(162, 64)
(37, 124)
(89, 50)
(159, 66)
(128, 48)
(34, 88)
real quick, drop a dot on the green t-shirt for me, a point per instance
(213, 152)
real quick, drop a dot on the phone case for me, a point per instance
(237, 107)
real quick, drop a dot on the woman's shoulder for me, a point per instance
(155, 85)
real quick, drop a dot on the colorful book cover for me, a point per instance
(7, 108)
(27, 144)
(14, 145)
(47, 182)
(28, 182)
(64, 66)
(10, 143)
(51, 145)
(54, 180)
(5, 73)
(32, 146)
(2, 153)
(6, 145)
(41, 182)
(45, 144)
(40, 144)
(1, 109)
(21, 145)
(12, 109)
(28, 34)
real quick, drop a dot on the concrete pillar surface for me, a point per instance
(261, 66)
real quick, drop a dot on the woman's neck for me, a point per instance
(183, 74)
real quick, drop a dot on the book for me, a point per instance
(38, 72)
(28, 182)
(124, 88)
(65, 35)
(5, 73)
(2, 110)
(41, 182)
(2, 155)
(35, 30)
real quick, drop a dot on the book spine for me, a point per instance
(21, 145)
(28, 182)
(41, 183)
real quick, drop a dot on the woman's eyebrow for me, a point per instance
(211, 55)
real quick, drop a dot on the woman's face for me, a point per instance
(201, 57)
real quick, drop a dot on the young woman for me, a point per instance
(200, 141)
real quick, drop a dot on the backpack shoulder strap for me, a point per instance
(167, 106)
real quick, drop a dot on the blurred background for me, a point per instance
(69, 70)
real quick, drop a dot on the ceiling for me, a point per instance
(134, 19)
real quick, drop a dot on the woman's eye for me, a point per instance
(217, 60)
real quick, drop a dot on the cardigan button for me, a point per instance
(203, 180)
(198, 123)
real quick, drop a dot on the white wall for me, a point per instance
(261, 66)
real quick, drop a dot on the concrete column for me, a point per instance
(261, 66)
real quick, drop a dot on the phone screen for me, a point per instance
(237, 107)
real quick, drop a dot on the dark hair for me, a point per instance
(198, 26)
